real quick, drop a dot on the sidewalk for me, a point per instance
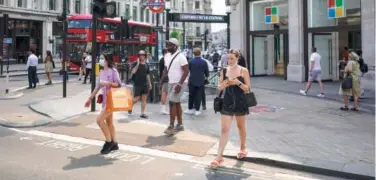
(288, 128)
(20, 69)
(331, 89)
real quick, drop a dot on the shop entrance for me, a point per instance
(270, 54)
(324, 45)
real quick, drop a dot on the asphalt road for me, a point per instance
(34, 155)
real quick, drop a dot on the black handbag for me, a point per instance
(347, 83)
(218, 101)
(251, 99)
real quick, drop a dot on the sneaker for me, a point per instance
(164, 110)
(115, 146)
(130, 112)
(144, 116)
(197, 113)
(204, 108)
(189, 111)
(179, 127)
(169, 130)
(303, 92)
(321, 95)
(107, 147)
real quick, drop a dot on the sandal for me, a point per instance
(344, 108)
(354, 109)
(242, 155)
(216, 163)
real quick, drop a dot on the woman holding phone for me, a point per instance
(235, 80)
(108, 78)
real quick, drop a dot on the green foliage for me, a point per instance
(175, 34)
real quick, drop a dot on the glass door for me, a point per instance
(259, 55)
(324, 45)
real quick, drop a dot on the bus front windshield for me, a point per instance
(79, 23)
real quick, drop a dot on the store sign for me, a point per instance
(205, 18)
(156, 6)
(336, 9)
(271, 15)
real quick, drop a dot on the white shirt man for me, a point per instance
(175, 72)
(31, 65)
(314, 72)
(32, 61)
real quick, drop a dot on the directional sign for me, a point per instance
(7, 41)
(205, 18)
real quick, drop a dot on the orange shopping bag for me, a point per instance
(119, 99)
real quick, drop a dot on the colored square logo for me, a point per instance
(268, 11)
(274, 19)
(339, 12)
(331, 13)
(274, 10)
(268, 19)
(331, 3)
(339, 3)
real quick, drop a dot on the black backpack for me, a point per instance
(363, 66)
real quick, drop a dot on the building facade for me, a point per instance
(277, 35)
(219, 39)
(32, 24)
(194, 31)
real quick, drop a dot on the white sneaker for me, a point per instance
(197, 113)
(164, 110)
(321, 95)
(303, 92)
(190, 112)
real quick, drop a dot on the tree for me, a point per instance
(175, 34)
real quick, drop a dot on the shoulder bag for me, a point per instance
(218, 101)
(250, 96)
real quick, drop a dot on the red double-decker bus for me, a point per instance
(80, 35)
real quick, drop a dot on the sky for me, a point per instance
(219, 8)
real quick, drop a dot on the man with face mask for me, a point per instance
(176, 68)
(141, 81)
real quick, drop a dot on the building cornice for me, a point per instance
(26, 11)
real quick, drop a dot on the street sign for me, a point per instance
(7, 41)
(156, 6)
(158, 28)
(204, 18)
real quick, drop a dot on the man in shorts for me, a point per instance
(141, 82)
(314, 72)
(176, 68)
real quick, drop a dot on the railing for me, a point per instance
(213, 77)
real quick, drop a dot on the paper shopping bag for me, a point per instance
(119, 99)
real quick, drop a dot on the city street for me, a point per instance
(277, 129)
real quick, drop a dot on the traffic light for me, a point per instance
(102, 8)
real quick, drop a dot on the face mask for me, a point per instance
(101, 62)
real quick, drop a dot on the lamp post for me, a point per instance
(228, 12)
(167, 7)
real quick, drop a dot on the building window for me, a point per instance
(197, 4)
(163, 17)
(147, 15)
(77, 7)
(134, 13)
(174, 4)
(127, 11)
(2, 2)
(21, 3)
(142, 15)
(118, 9)
(153, 18)
(198, 31)
(52, 4)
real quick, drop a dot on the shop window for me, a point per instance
(318, 13)
(258, 16)
(198, 31)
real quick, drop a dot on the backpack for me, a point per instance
(363, 66)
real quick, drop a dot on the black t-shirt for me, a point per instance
(161, 69)
(140, 77)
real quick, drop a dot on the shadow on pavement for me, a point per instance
(160, 141)
(94, 160)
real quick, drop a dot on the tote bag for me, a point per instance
(119, 99)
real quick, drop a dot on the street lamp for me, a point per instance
(228, 12)
(168, 8)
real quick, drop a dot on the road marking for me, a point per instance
(127, 157)
(63, 145)
(25, 138)
(150, 152)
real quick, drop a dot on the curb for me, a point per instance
(27, 124)
(16, 96)
(303, 168)
(38, 73)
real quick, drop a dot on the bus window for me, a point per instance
(79, 24)
(143, 30)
